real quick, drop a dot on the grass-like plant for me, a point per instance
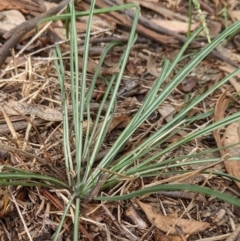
(88, 142)
(87, 147)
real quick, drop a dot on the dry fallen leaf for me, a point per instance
(160, 236)
(165, 223)
(92, 66)
(167, 111)
(119, 122)
(221, 106)
(16, 110)
(233, 80)
(10, 19)
(98, 24)
(152, 1)
(234, 57)
(176, 26)
(112, 60)
(13, 107)
(152, 66)
(131, 67)
(157, 7)
(188, 84)
(235, 14)
(101, 90)
(231, 137)
(24, 6)
(214, 29)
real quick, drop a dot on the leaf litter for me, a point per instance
(42, 136)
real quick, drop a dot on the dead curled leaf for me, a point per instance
(165, 223)
(231, 137)
(167, 111)
(188, 84)
(120, 122)
(131, 67)
(101, 90)
(152, 66)
(234, 80)
(92, 66)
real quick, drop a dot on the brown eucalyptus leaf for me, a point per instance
(176, 26)
(188, 84)
(101, 90)
(167, 111)
(13, 107)
(152, 66)
(24, 6)
(131, 67)
(235, 14)
(165, 223)
(234, 80)
(112, 60)
(119, 122)
(92, 66)
(98, 23)
(231, 137)
(10, 19)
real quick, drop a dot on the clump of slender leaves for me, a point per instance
(88, 147)
(88, 143)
